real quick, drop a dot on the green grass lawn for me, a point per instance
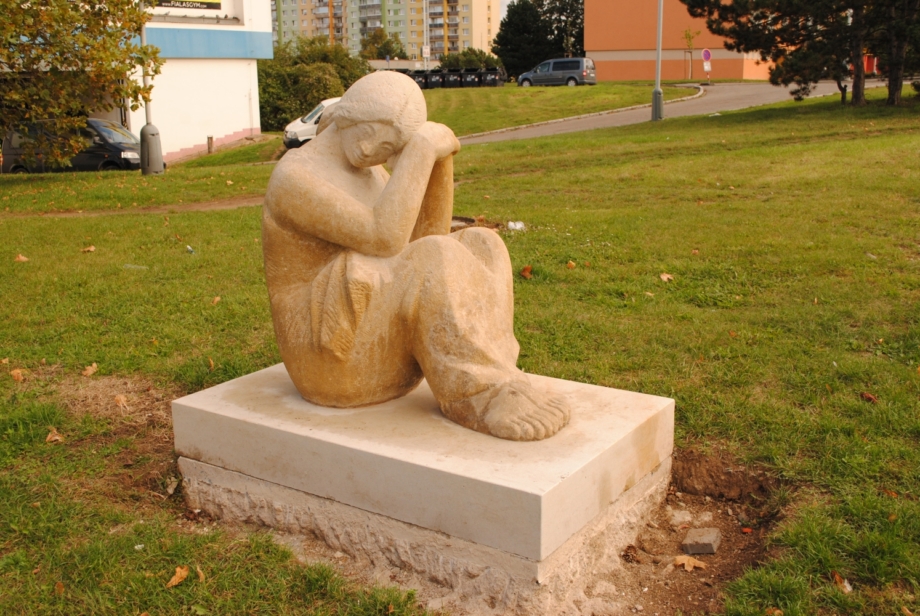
(469, 111)
(793, 237)
(225, 174)
(260, 152)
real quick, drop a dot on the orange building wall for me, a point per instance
(621, 36)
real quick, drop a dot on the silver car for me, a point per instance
(561, 71)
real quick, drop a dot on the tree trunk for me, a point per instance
(858, 95)
(898, 32)
(898, 51)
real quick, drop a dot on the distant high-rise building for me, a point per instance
(450, 25)
(308, 18)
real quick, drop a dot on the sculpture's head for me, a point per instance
(377, 117)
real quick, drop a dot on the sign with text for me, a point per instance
(426, 51)
(707, 67)
(209, 5)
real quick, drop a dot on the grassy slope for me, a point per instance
(805, 292)
(473, 111)
(205, 178)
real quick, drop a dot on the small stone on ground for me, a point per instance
(702, 541)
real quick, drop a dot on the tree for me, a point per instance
(379, 46)
(896, 42)
(61, 60)
(567, 25)
(808, 40)
(302, 74)
(469, 58)
(525, 38)
(317, 49)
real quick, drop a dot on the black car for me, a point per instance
(109, 146)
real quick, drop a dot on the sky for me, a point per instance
(504, 8)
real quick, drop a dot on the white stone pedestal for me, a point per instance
(501, 521)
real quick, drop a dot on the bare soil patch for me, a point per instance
(708, 490)
(138, 415)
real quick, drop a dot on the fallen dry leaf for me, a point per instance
(773, 611)
(747, 531)
(890, 493)
(732, 334)
(868, 397)
(17, 375)
(587, 264)
(210, 365)
(570, 265)
(90, 370)
(215, 300)
(89, 249)
(841, 583)
(200, 573)
(666, 277)
(36, 570)
(181, 574)
(527, 272)
(59, 588)
(20, 259)
(650, 294)
(121, 401)
(54, 436)
(906, 611)
(229, 182)
(486, 197)
(694, 252)
(688, 562)
(892, 517)
(5, 360)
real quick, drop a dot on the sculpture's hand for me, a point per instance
(439, 137)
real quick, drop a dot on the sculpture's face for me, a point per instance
(368, 144)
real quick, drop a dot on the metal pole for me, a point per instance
(151, 152)
(658, 95)
(426, 37)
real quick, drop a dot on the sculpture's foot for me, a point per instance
(513, 411)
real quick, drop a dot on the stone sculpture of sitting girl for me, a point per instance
(370, 292)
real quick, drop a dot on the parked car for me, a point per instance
(109, 146)
(303, 129)
(561, 71)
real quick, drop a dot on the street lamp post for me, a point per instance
(658, 95)
(151, 152)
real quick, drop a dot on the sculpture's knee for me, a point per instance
(486, 245)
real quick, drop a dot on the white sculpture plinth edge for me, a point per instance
(399, 482)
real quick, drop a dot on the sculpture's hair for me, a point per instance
(387, 97)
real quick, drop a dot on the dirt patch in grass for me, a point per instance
(718, 475)
(708, 490)
(138, 416)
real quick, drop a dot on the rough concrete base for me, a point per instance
(475, 579)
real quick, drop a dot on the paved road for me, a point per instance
(719, 97)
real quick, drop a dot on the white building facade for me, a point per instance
(208, 86)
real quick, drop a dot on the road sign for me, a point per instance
(707, 67)
(707, 55)
(426, 51)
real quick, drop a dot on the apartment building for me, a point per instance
(621, 37)
(449, 25)
(308, 18)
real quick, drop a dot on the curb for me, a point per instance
(701, 92)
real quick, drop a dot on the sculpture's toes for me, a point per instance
(518, 413)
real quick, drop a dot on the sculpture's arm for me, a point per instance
(310, 205)
(438, 203)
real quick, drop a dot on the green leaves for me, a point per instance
(62, 60)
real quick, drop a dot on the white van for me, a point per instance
(303, 129)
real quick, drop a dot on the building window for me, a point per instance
(466, 44)
(466, 32)
(466, 8)
(466, 20)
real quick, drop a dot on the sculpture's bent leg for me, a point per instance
(460, 307)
